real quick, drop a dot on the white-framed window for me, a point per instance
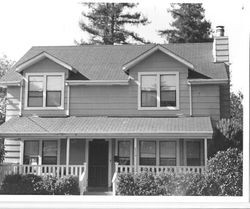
(147, 152)
(44, 91)
(124, 150)
(158, 90)
(167, 153)
(45, 152)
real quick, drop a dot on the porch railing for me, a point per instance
(153, 169)
(54, 170)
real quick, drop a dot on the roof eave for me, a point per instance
(207, 81)
(144, 55)
(176, 135)
(97, 82)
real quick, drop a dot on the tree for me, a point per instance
(5, 65)
(236, 107)
(107, 21)
(189, 25)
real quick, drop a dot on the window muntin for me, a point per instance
(147, 152)
(159, 90)
(148, 91)
(49, 150)
(35, 91)
(168, 90)
(167, 153)
(45, 90)
(124, 152)
(193, 154)
(31, 150)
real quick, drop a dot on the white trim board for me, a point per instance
(38, 58)
(146, 54)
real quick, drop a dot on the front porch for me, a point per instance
(97, 149)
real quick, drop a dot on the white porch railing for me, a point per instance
(154, 169)
(54, 170)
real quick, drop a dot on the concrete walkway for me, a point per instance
(98, 191)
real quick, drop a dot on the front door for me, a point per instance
(98, 163)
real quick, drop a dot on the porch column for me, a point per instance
(205, 151)
(67, 155)
(136, 154)
(21, 152)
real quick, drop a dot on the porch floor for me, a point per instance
(98, 191)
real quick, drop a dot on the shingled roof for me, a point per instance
(104, 62)
(107, 126)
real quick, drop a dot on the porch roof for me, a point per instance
(107, 127)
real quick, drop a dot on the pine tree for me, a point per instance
(189, 25)
(107, 21)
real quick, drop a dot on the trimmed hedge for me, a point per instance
(32, 184)
(223, 177)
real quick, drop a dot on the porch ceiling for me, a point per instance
(107, 127)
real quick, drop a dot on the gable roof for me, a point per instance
(105, 62)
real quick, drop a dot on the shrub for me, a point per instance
(223, 177)
(32, 184)
(18, 184)
(67, 185)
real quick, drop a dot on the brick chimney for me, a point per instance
(220, 46)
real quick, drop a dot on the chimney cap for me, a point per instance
(220, 30)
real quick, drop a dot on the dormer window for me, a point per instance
(45, 90)
(158, 90)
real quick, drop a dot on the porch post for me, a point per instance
(205, 151)
(67, 155)
(21, 152)
(135, 155)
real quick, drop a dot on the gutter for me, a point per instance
(97, 82)
(10, 83)
(207, 81)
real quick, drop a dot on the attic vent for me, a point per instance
(220, 46)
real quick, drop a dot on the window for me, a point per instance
(124, 152)
(148, 91)
(31, 152)
(147, 153)
(159, 90)
(45, 91)
(167, 153)
(35, 94)
(193, 154)
(49, 153)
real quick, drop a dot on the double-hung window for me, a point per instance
(167, 153)
(124, 152)
(147, 152)
(45, 90)
(159, 90)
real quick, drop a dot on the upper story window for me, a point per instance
(45, 90)
(159, 90)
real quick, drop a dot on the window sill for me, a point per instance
(158, 108)
(44, 108)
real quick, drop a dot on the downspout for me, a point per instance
(190, 100)
(21, 99)
(68, 96)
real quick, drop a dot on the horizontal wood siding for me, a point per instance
(12, 147)
(13, 101)
(77, 151)
(123, 100)
(206, 101)
(224, 101)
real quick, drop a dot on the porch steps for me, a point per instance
(98, 191)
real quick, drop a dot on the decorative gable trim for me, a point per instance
(39, 57)
(144, 55)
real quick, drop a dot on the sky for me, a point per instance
(27, 23)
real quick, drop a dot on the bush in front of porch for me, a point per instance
(33, 184)
(223, 177)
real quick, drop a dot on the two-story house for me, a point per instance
(96, 110)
